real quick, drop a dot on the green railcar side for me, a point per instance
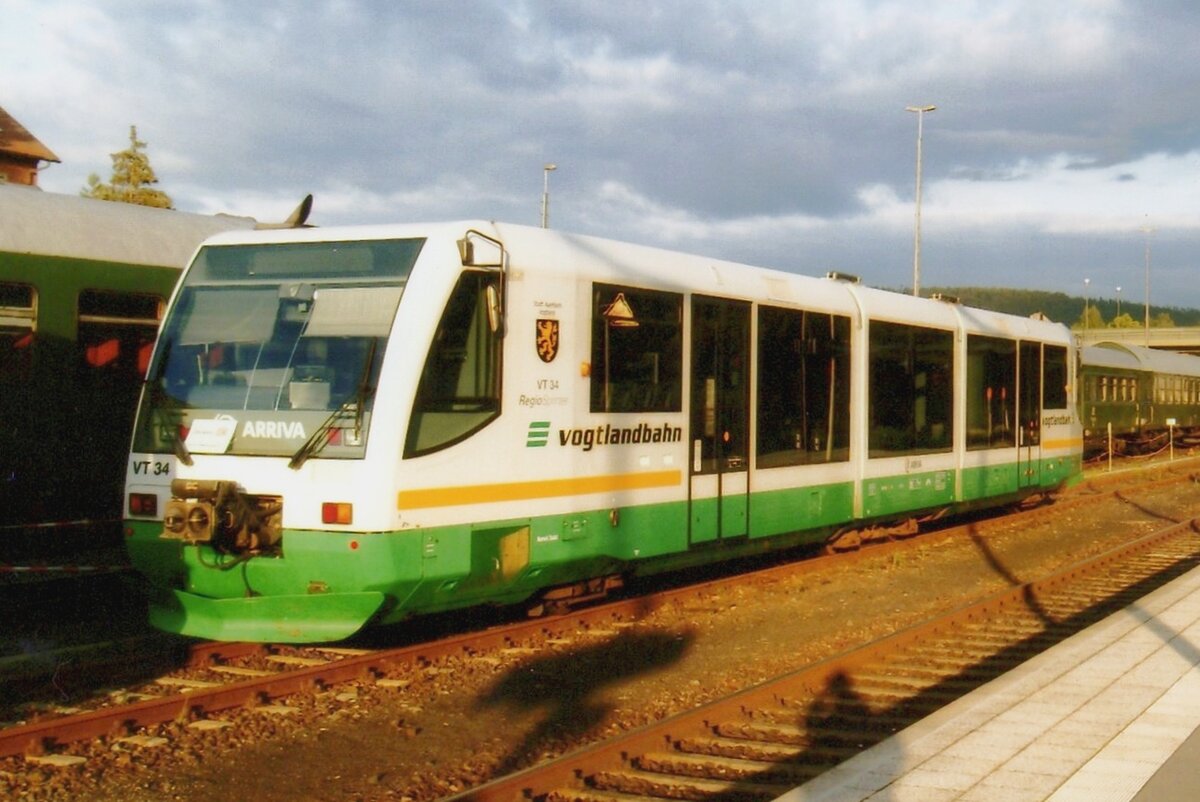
(69, 386)
(83, 285)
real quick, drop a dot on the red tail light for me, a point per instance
(143, 504)
(337, 512)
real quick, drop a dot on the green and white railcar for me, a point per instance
(351, 426)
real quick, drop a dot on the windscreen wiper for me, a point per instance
(318, 439)
(356, 403)
(180, 448)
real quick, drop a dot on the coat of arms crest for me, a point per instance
(547, 339)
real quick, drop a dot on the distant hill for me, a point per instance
(1059, 306)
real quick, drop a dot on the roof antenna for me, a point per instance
(297, 219)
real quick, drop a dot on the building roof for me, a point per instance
(16, 141)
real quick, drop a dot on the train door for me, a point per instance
(1029, 415)
(720, 419)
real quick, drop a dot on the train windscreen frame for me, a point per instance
(275, 350)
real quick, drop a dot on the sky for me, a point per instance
(1063, 155)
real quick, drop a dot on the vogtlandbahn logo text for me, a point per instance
(606, 435)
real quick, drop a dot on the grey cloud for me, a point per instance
(712, 112)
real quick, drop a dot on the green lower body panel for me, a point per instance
(311, 618)
(989, 481)
(327, 585)
(1056, 471)
(812, 508)
(894, 495)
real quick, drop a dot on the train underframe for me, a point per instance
(1139, 442)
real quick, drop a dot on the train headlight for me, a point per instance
(188, 520)
(199, 523)
(175, 519)
(220, 514)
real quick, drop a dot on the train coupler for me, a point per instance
(223, 515)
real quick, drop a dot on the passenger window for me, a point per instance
(637, 350)
(18, 322)
(991, 392)
(1054, 381)
(803, 388)
(911, 389)
(117, 332)
(459, 391)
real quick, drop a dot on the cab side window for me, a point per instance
(459, 391)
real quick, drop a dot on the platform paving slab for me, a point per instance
(1108, 715)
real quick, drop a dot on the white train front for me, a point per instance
(356, 425)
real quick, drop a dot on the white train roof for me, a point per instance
(52, 224)
(555, 251)
(1135, 357)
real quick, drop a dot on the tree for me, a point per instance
(1094, 320)
(1124, 321)
(1162, 320)
(131, 177)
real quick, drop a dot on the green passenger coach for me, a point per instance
(1138, 398)
(83, 286)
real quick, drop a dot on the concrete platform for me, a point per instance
(1109, 715)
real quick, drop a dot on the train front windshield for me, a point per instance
(275, 350)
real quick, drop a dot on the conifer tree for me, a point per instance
(131, 178)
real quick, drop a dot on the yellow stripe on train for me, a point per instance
(543, 488)
(1072, 443)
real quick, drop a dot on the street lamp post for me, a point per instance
(1118, 301)
(1147, 230)
(920, 112)
(1086, 299)
(546, 170)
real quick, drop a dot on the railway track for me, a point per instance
(764, 741)
(206, 679)
(163, 678)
